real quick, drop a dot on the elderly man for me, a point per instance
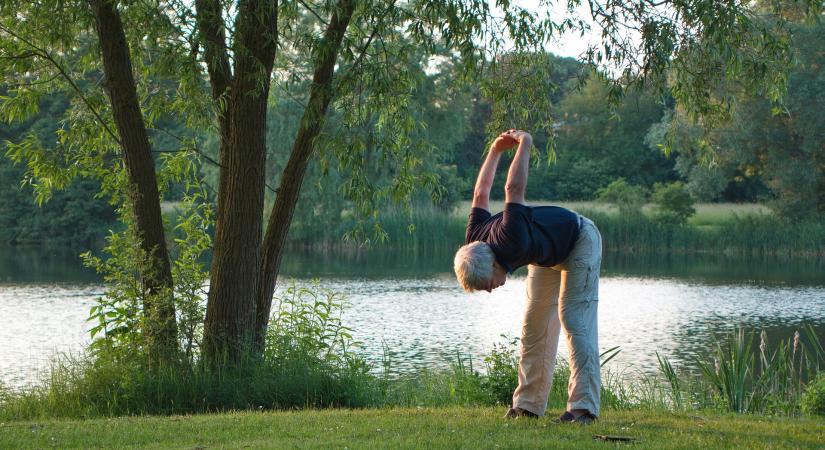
(562, 251)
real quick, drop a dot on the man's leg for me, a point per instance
(539, 340)
(578, 312)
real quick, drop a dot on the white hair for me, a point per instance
(473, 265)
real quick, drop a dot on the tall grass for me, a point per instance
(732, 229)
(423, 230)
(492, 384)
(706, 213)
(740, 231)
(751, 235)
(746, 379)
(739, 378)
(85, 387)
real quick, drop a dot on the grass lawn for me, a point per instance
(406, 428)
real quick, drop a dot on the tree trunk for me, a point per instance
(321, 94)
(211, 27)
(160, 330)
(230, 313)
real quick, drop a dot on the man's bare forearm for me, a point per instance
(481, 193)
(517, 175)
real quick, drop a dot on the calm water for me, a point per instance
(412, 305)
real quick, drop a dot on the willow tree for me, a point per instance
(214, 63)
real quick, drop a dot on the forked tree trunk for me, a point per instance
(211, 27)
(243, 275)
(236, 258)
(160, 330)
(321, 93)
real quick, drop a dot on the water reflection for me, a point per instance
(38, 320)
(427, 322)
(26, 265)
(719, 269)
(34, 265)
(411, 304)
(715, 269)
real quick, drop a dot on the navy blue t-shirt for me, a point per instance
(521, 235)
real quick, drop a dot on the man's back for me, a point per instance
(521, 235)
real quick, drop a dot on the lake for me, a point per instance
(411, 305)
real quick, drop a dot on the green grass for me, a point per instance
(730, 229)
(414, 428)
(743, 229)
(498, 205)
(706, 213)
(719, 213)
(457, 408)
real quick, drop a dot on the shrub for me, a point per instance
(813, 401)
(306, 328)
(502, 371)
(673, 203)
(308, 362)
(627, 197)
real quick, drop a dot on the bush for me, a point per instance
(627, 197)
(306, 327)
(673, 202)
(308, 362)
(813, 401)
(502, 371)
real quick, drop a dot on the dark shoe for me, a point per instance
(585, 419)
(567, 417)
(515, 413)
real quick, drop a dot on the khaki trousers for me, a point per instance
(563, 295)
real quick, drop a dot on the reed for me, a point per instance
(422, 230)
(754, 233)
(738, 377)
(672, 378)
(746, 379)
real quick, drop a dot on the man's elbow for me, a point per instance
(481, 197)
(515, 190)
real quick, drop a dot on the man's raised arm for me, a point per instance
(517, 176)
(481, 193)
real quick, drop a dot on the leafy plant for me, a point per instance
(813, 401)
(666, 368)
(306, 326)
(502, 370)
(119, 316)
(732, 372)
(627, 197)
(673, 203)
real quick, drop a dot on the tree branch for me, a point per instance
(210, 25)
(366, 45)
(42, 53)
(321, 93)
(33, 83)
(313, 12)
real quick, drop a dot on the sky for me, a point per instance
(572, 44)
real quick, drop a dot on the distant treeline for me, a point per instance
(75, 217)
(766, 152)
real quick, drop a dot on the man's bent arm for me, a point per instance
(481, 193)
(517, 175)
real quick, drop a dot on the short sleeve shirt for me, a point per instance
(521, 235)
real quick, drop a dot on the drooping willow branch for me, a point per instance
(44, 54)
